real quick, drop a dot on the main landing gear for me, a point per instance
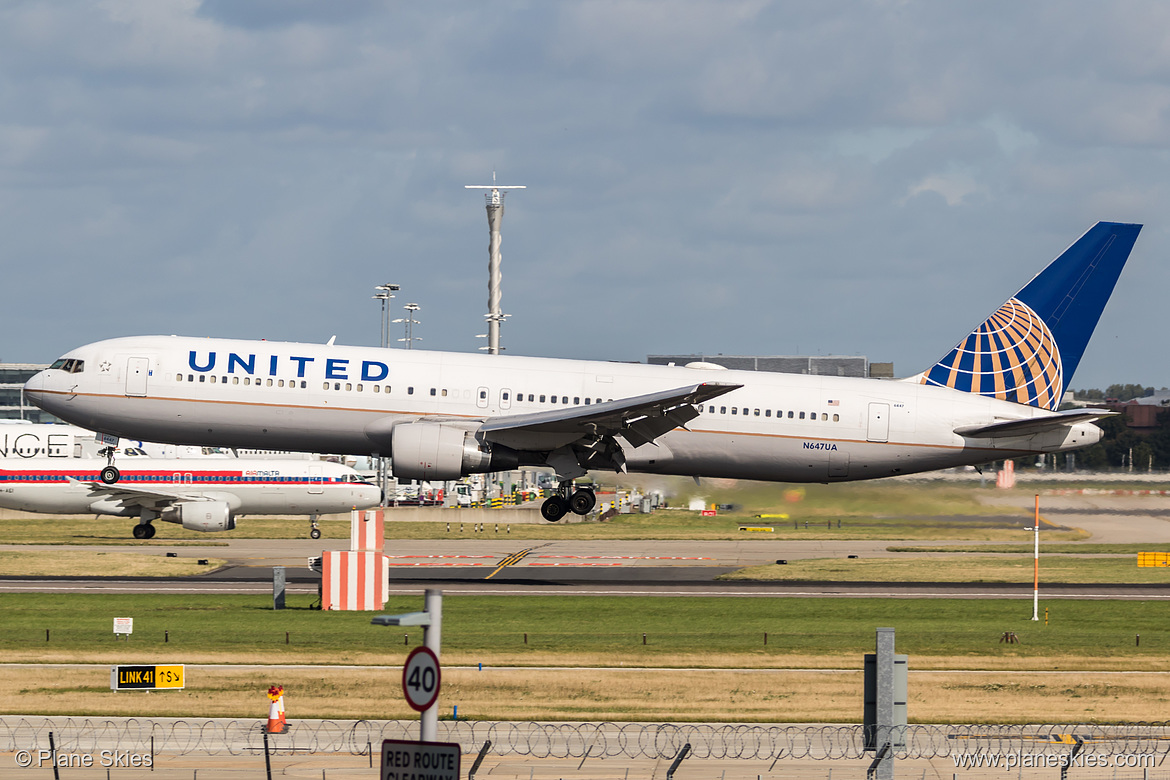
(580, 502)
(110, 473)
(144, 531)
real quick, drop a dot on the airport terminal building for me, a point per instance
(13, 405)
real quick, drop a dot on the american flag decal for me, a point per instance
(834, 403)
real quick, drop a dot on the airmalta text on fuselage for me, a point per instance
(335, 368)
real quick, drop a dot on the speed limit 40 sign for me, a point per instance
(421, 678)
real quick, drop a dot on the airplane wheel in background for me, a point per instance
(553, 509)
(582, 502)
(143, 531)
(110, 475)
(315, 533)
(150, 532)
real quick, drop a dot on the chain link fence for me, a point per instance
(217, 736)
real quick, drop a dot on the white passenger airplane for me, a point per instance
(440, 416)
(200, 495)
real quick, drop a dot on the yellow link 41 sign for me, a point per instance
(139, 678)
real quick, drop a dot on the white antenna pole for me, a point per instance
(495, 215)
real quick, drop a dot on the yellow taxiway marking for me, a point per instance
(511, 560)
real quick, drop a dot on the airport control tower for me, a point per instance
(495, 215)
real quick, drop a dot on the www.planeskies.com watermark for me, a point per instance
(1026, 760)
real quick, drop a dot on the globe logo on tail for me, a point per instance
(1011, 356)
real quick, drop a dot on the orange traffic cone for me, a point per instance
(276, 719)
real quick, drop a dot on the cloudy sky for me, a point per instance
(740, 177)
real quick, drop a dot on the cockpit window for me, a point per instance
(71, 366)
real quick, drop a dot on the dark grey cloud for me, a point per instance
(749, 177)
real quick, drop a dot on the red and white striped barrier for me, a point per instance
(354, 581)
(367, 530)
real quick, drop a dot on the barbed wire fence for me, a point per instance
(772, 742)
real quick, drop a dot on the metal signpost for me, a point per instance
(431, 620)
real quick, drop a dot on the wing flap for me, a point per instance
(641, 419)
(1032, 425)
(136, 496)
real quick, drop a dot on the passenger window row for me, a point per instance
(792, 414)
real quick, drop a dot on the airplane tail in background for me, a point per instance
(1028, 349)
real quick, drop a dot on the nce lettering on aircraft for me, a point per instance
(335, 368)
(146, 677)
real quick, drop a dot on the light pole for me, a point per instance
(1036, 564)
(384, 293)
(410, 321)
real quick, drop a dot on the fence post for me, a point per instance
(53, 748)
(267, 760)
(479, 760)
(678, 760)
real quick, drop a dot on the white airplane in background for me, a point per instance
(200, 495)
(443, 415)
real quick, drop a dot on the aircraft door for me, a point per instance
(137, 369)
(879, 423)
(481, 397)
(505, 399)
(316, 481)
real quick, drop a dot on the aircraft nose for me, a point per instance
(34, 386)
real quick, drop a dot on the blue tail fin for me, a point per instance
(1029, 348)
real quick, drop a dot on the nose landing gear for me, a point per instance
(580, 502)
(110, 473)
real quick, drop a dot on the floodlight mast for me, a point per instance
(495, 215)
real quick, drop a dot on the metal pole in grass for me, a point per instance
(423, 696)
(1036, 563)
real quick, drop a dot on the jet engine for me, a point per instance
(201, 515)
(442, 451)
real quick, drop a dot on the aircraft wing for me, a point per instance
(138, 496)
(1032, 425)
(639, 419)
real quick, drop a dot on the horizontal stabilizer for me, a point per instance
(1032, 425)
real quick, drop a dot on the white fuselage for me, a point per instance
(325, 398)
(248, 487)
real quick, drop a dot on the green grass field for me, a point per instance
(581, 629)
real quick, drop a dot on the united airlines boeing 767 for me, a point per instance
(443, 415)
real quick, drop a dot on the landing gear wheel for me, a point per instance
(315, 533)
(582, 502)
(150, 532)
(143, 531)
(553, 509)
(110, 475)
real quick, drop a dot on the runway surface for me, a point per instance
(493, 563)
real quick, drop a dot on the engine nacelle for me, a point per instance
(202, 515)
(442, 452)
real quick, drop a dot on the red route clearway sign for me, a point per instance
(403, 760)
